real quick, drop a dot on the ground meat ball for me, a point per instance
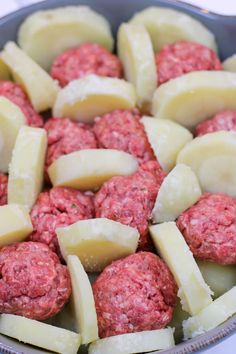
(209, 228)
(183, 57)
(130, 199)
(221, 121)
(58, 207)
(33, 283)
(89, 58)
(122, 130)
(134, 294)
(16, 94)
(3, 188)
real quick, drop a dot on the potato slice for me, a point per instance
(129, 343)
(40, 87)
(89, 97)
(39, 334)
(229, 64)
(211, 316)
(193, 291)
(179, 190)
(4, 71)
(27, 166)
(194, 97)
(213, 158)
(89, 169)
(178, 317)
(167, 138)
(167, 26)
(60, 29)
(97, 242)
(137, 56)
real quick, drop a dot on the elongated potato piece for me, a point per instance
(27, 166)
(213, 159)
(179, 190)
(137, 56)
(212, 315)
(39, 334)
(40, 87)
(4, 71)
(167, 26)
(60, 29)
(97, 242)
(89, 169)
(89, 97)
(193, 291)
(129, 343)
(229, 64)
(167, 138)
(194, 97)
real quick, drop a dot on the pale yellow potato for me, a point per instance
(167, 138)
(179, 315)
(39, 86)
(193, 292)
(213, 159)
(89, 169)
(26, 168)
(4, 71)
(11, 120)
(229, 64)
(97, 242)
(92, 96)
(194, 97)
(45, 34)
(138, 342)
(212, 315)
(179, 191)
(137, 56)
(39, 334)
(167, 26)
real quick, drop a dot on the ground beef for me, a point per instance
(225, 120)
(122, 130)
(15, 93)
(209, 228)
(33, 283)
(134, 294)
(3, 188)
(183, 57)
(89, 58)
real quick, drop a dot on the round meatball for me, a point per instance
(122, 130)
(89, 58)
(130, 199)
(33, 282)
(15, 93)
(58, 207)
(183, 57)
(134, 294)
(3, 188)
(209, 228)
(225, 120)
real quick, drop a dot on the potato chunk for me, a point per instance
(229, 64)
(97, 242)
(89, 97)
(40, 87)
(39, 334)
(4, 71)
(27, 166)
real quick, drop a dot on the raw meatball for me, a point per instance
(33, 283)
(122, 130)
(183, 57)
(15, 93)
(87, 59)
(134, 294)
(209, 228)
(3, 188)
(225, 120)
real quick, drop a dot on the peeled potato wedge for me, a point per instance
(92, 96)
(89, 169)
(60, 29)
(194, 97)
(167, 138)
(229, 64)
(167, 26)
(213, 159)
(39, 86)
(97, 242)
(137, 56)
(39, 334)
(179, 191)
(4, 71)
